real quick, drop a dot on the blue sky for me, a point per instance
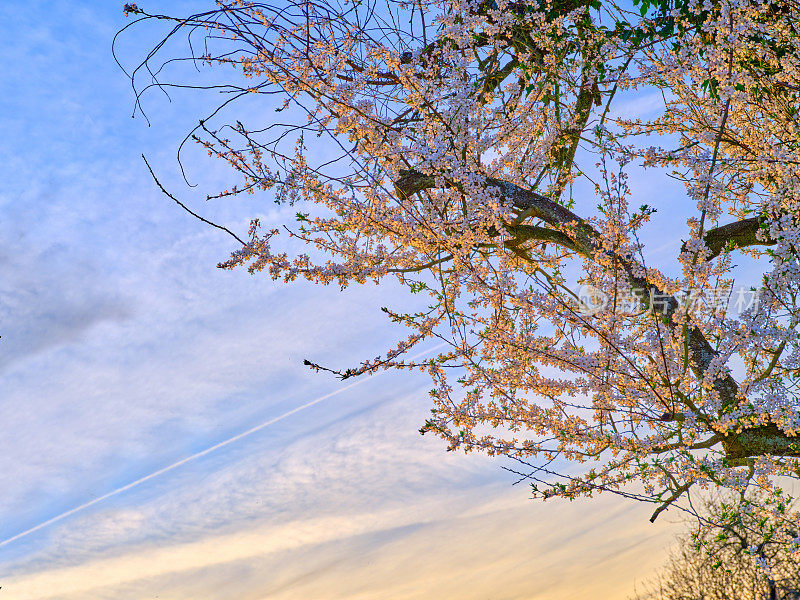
(124, 350)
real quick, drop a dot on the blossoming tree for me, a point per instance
(737, 558)
(484, 162)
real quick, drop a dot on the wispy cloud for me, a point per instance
(218, 446)
(47, 301)
(360, 509)
(447, 547)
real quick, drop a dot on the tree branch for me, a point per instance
(757, 441)
(524, 233)
(187, 209)
(676, 494)
(739, 234)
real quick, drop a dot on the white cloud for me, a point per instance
(362, 507)
(450, 547)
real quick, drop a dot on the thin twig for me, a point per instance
(186, 208)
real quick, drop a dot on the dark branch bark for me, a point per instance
(525, 233)
(739, 234)
(756, 441)
(412, 182)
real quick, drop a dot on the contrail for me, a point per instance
(209, 450)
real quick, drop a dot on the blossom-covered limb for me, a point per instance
(739, 234)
